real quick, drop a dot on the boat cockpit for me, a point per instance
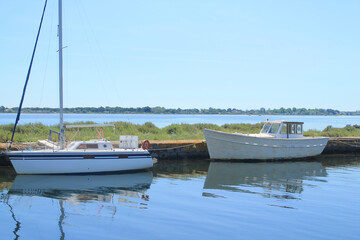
(282, 129)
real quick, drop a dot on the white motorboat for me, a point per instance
(92, 156)
(276, 140)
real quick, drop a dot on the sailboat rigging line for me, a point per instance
(47, 55)
(27, 77)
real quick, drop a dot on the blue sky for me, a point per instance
(185, 53)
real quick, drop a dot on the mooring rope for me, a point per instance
(179, 147)
(356, 145)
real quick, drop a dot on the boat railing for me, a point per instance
(51, 132)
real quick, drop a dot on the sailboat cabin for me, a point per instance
(92, 145)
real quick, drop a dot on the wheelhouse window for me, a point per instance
(292, 129)
(298, 128)
(284, 129)
(274, 128)
(295, 129)
(265, 128)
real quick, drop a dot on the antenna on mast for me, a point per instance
(61, 77)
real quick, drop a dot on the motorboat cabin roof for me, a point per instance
(282, 121)
(282, 129)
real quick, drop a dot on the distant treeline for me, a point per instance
(162, 110)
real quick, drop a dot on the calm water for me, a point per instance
(162, 120)
(183, 200)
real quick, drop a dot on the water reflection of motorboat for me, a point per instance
(82, 188)
(271, 178)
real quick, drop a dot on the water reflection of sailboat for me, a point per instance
(82, 188)
(101, 194)
(277, 180)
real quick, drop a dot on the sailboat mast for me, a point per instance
(61, 77)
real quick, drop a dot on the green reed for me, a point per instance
(38, 131)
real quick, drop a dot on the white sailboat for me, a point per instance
(276, 140)
(82, 187)
(94, 156)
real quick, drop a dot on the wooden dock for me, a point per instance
(197, 149)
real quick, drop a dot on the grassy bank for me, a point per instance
(34, 132)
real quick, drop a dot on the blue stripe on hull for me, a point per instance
(73, 155)
(74, 158)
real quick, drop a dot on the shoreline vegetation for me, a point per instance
(162, 110)
(33, 132)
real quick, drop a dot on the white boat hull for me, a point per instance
(72, 162)
(232, 146)
(68, 185)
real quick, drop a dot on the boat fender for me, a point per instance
(145, 144)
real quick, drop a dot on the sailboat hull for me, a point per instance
(65, 162)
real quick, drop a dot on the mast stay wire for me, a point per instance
(47, 57)
(114, 85)
(28, 76)
(83, 15)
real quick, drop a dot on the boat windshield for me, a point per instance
(274, 128)
(265, 128)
